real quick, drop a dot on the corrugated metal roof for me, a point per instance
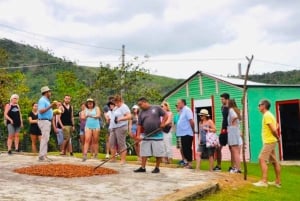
(234, 81)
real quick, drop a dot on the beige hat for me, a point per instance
(135, 107)
(90, 100)
(45, 89)
(204, 112)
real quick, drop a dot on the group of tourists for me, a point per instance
(150, 126)
(230, 134)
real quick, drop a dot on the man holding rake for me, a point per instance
(151, 119)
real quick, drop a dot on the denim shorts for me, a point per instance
(60, 137)
(209, 150)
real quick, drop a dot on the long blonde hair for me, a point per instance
(167, 105)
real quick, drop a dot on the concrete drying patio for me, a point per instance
(170, 184)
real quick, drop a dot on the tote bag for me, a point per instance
(212, 140)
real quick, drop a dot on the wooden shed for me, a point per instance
(203, 90)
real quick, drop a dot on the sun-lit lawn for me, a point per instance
(246, 191)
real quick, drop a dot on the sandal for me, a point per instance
(188, 167)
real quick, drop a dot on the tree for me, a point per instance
(3, 57)
(131, 81)
(67, 83)
(11, 83)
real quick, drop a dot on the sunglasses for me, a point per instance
(260, 105)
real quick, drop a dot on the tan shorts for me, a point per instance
(268, 152)
(67, 131)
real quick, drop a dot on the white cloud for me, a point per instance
(204, 32)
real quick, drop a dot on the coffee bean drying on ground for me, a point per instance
(64, 170)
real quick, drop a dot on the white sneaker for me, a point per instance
(273, 183)
(260, 184)
(233, 170)
(107, 156)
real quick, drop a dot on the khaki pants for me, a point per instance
(45, 127)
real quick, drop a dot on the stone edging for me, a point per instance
(191, 193)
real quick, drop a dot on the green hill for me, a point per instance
(40, 67)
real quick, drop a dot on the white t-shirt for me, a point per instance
(119, 112)
(108, 117)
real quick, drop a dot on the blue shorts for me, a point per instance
(133, 129)
(81, 132)
(60, 136)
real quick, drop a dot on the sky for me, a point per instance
(173, 38)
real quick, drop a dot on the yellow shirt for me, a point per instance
(267, 136)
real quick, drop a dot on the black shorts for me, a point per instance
(223, 138)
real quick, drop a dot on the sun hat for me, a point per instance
(105, 108)
(45, 89)
(135, 107)
(90, 100)
(204, 112)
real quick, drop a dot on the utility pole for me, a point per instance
(123, 70)
(123, 56)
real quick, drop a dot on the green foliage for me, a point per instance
(3, 57)
(13, 83)
(67, 83)
(131, 81)
(279, 77)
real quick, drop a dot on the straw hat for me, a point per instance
(135, 107)
(204, 112)
(90, 100)
(45, 89)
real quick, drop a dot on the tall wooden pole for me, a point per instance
(244, 115)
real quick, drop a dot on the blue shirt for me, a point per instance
(44, 102)
(183, 127)
(92, 123)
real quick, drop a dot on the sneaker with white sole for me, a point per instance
(235, 171)
(273, 183)
(217, 169)
(260, 184)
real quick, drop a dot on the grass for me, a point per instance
(290, 176)
(240, 190)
